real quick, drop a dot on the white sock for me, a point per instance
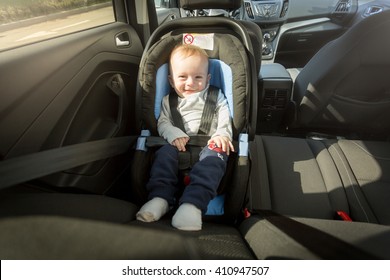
(187, 217)
(153, 210)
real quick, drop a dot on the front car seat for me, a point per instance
(345, 87)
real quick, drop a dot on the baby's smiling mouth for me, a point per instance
(189, 91)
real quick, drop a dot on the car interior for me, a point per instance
(309, 94)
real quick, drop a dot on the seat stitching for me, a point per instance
(351, 182)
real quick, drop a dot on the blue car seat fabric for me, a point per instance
(221, 77)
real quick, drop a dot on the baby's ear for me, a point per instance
(208, 77)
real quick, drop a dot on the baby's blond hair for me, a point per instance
(189, 50)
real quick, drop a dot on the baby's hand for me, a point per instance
(180, 143)
(222, 142)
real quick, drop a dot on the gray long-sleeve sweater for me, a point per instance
(191, 109)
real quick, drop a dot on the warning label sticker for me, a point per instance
(205, 41)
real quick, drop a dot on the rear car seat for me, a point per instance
(89, 236)
(316, 178)
(310, 181)
(302, 179)
(76, 205)
(364, 168)
(64, 238)
(315, 239)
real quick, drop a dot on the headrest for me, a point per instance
(221, 77)
(210, 4)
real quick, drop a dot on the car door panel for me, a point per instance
(68, 90)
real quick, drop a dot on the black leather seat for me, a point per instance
(345, 87)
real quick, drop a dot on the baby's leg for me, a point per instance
(161, 185)
(204, 181)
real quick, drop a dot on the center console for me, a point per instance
(269, 14)
(275, 87)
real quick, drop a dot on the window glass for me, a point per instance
(157, 3)
(161, 3)
(27, 21)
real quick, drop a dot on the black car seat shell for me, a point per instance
(232, 45)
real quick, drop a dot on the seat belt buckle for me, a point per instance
(214, 147)
(343, 216)
(243, 149)
(141, 141)
(246, 213)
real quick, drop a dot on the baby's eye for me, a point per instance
(199, 77)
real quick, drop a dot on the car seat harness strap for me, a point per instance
(189, 158)
(207, 115)
(176, 117)
(208, 111)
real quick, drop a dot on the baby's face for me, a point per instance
(188, 74)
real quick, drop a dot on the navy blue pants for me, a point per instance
(205, 177)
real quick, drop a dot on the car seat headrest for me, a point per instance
(213, 4)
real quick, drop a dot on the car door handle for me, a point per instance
(122, 39)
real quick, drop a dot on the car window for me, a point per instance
(161, 4)
(166, 10)
(27, 21)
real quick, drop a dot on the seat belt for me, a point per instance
(196, 140)
(236, 199)
(24, 168)
(320, 243)
(259, 196)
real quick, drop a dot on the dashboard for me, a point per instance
(294, 30)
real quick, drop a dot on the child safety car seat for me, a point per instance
(233, 69)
